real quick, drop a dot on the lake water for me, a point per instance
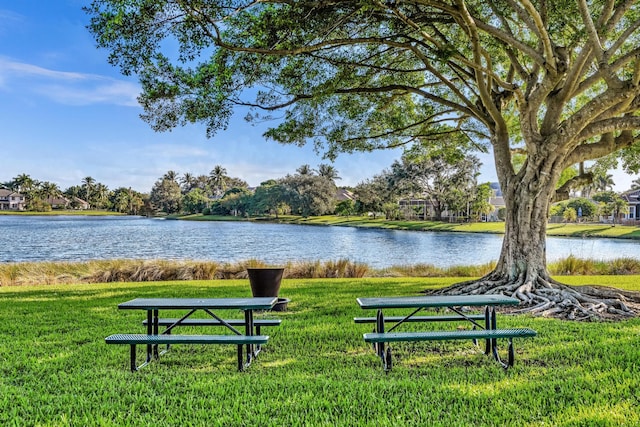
(81, 238)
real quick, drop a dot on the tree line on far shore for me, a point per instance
(446, 180)
(43, 196)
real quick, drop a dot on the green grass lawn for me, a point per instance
(316, 369)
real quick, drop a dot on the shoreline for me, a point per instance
(590, 230)
(582, 230)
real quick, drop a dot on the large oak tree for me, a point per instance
(555, 80)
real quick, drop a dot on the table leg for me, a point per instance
(155, 332)
(132, 357)
(240, 361)
(149, 332)
(494, 325)
(494, 345)
(380, 329)
(248, 330)
(487, 325)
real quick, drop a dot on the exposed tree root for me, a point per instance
(549, 298)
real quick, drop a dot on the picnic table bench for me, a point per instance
(251, 340)
(134, 339)
(487, 330)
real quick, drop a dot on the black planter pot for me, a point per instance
(265, 282)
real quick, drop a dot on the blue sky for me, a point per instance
(66, 114)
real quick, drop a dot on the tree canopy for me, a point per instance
(447, 180)
(398, 68)
(555, 81)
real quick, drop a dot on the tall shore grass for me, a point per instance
(106, 271)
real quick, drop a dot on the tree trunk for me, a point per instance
(437, 210)
(524, 248)
(521, 270)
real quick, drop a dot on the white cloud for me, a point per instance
(172, 151)
(64, 87)
(8, 19)
(24, 70)
(117, 93)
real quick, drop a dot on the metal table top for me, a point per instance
(261, 303)
(436, 301)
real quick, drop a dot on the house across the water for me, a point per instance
(11, 200)
(632, 197)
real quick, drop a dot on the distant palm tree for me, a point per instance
(305, 170)
(23, 183)
(618, 207)
(49, 190)
(202, 182)
(101, 195)
(218, 180)
(328, 171)
(87, 185)
(604, 182)
(73, 191)
(635, 184)
(126, 200)
(189, 182)
(171, 176)
(587, 189)
(121, 200)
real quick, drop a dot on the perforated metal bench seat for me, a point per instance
(186, 339)
(135, 339)
(449, 335)
(378, 339)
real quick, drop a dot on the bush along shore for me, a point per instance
(106, 271)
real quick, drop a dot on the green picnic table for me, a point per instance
(153, 337)
(484, 325)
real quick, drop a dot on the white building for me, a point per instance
(632, 197)
(11, 201)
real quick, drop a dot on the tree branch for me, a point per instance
(515, 63)
(562, 193)
(509, 40)
(616, 66)
(524, 16)
(591, 30)
(601, 148)
(584, 124)
(626, 123)
(483, 85)
(623, 38)
(607, 10)
(618, 14)
(545, 39)
(425, 60)
(399, 132)
(576, 69)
